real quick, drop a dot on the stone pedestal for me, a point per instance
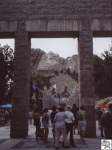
(21, 91)
(86, 81)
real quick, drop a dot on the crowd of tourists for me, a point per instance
(64, 120)
(5, 116)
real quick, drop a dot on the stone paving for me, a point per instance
(31, 144)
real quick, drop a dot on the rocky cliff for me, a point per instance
(51, 64)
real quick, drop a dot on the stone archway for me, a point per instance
(28, 18)
(19, 123)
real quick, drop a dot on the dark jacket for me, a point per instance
(106, 119)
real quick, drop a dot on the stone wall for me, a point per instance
(61, 9)
(55, 15)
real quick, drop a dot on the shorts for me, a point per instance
(82, 125)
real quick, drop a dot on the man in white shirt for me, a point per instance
(69, 121)
(60, 128)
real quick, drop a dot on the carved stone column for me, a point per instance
(21, 92)
(86, 81)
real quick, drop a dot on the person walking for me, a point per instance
(99, 113)
(30, 117)
(45, 122)
(82, 124)
(65, 95)
(52, 116)
(75, 113)
(36, 117)
(60, 128)
(69, 125)
(106, 122)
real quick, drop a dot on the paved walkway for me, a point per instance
(31, 144)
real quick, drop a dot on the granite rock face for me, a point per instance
(51, 63)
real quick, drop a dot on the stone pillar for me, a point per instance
(21, 92)
(86, 81)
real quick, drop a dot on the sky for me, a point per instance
(65, 47)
